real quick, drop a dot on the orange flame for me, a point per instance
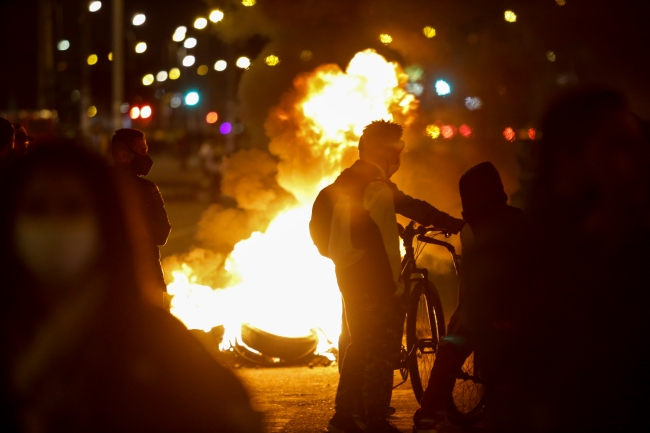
(278, 281)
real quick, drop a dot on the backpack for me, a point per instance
(321, 220)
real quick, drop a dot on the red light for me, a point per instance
(465, 130)
(448, 131)
(509, 134)
(532, 133)
(212, 117)
(145, 112)
(134, 113)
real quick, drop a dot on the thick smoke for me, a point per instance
(333, 32)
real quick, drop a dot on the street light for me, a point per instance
(188, 61)
(63, 45)
(147, 79)
(189, 43)
(216, 16)
(141, 47)
(161, 76)
(94, 6)
(243, 62)
(139, 19)
(174, 73)
(145, 112)
(192, 98)
(200, 23)
(442, 88)
(179, 34)
(220, 65)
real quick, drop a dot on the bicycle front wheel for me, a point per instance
(425, 325)
(468, 397)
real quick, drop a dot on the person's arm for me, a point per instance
(424, 213)
(157, 215)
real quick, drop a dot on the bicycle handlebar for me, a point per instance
(428, 240)
(410, 231)
(422, 230)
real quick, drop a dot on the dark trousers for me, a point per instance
(452, 352)
(374, 321)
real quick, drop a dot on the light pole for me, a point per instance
(118, 63)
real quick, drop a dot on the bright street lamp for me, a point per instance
(200, 23)
(141, 47)
(94, 6)
(139, 19)
(243, 62)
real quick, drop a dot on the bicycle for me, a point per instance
(425, 326)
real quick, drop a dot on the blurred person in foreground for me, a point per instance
(21, 141)
(490, 224)
(580, 359)
(354, 223)
(132, 161)
(81, 349)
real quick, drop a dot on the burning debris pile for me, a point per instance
(261, 269)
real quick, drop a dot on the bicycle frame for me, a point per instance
(411, 274)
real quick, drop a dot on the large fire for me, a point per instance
(278, 281)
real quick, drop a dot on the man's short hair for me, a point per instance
(125, 137)
(6, 134)
(382, 131)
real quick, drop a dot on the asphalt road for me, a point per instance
(301, 399)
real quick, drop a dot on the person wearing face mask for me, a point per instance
(82, 351)
(354, 224)
(132, 161)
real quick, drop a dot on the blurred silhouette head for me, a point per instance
(381, 144)
(62, 226)
(129, 149)
(481, 186)
(594, 159)
(6, 137)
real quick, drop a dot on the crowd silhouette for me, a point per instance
(553, 300)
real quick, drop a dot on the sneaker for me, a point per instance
(381, 426)
(343, 424)
(426, 424)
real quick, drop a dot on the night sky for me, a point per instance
(600, 42)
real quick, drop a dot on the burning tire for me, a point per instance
(275, 346)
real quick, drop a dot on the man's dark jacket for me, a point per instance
(365, 234)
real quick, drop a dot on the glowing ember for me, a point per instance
(276, 280)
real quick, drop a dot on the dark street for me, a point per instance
(300, 399)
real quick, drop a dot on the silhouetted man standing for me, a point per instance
(354, 223)
(131, 158)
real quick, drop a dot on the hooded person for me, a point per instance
(132, 162)
(82, 350)
(482, 309)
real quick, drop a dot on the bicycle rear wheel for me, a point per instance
(468, 396)
(425, 325)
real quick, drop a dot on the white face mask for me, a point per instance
(57, 251)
